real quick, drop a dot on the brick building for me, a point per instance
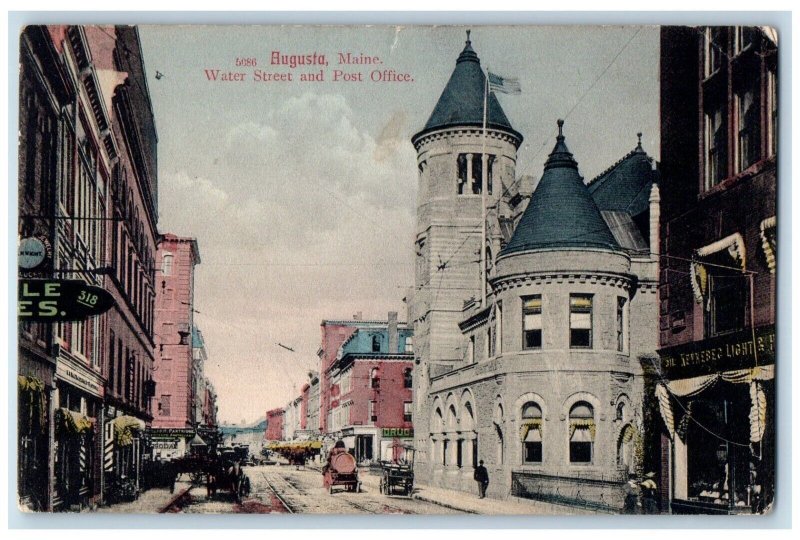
(717, 282)
(87, 192)
(370, 388)
(542, 379)
(175, 374)
(274, 430)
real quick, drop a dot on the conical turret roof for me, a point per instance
(561, 212)
(461, 102)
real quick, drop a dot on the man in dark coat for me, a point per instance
(632, 491)
(482, 477)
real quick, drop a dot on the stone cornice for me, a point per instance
(508, 282)
(468, 131)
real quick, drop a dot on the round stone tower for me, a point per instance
(452, 151)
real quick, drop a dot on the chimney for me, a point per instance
(393, 338)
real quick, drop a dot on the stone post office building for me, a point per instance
(543, 380)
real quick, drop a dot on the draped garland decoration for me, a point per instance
(32, 396)
(582, 423)
(528, 425)
(72, 423)
(632, 433)
(125, 429)
(755, 377)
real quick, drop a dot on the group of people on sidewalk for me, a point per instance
(641, 497)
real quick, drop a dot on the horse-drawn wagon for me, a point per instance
(397, 474)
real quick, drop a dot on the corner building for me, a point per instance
(543, 381)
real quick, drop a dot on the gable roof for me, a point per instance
(626, 185)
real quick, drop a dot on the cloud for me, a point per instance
(301, 216)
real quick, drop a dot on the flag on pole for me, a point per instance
(506, 85)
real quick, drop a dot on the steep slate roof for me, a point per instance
(626, 185)
(561, 212)
(461, 102)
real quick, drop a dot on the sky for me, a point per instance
(302, 194)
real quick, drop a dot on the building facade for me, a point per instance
(714, 385)
(371, 395)
(274, 431)
(542, 379)
(312, 415)
(87, 196)
(175, 374)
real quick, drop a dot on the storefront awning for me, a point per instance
(125, 428)
(768, 241)
(755, 377)
(734, 244)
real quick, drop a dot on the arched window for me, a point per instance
(620, 414)
(407, 378)
(376, 343)
(166, 264)
(581, 432)
(375, 380)
(531, 433)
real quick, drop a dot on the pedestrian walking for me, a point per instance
(632, 492)
(482, 477)
(649, 493)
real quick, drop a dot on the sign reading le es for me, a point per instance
(56, 300)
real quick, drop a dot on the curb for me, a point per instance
(174, 500)
(445, 505)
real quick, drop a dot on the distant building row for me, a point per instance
(361, 394)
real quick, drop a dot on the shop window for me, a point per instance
(621, 323)
(716, 151)
(749, 132)
(581, 433)
(532, 322)
(714, 45)
(531, 432)
(580, 321)
(407, 411)
(408, 379)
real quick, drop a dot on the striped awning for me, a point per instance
(768, 241)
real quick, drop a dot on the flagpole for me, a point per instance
(484, 183)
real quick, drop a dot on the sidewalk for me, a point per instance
(150, 501)
(469, 502)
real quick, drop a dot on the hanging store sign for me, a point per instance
(31, 253)
(55, 300)
(738, 350)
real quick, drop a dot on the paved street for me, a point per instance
(284, 489)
